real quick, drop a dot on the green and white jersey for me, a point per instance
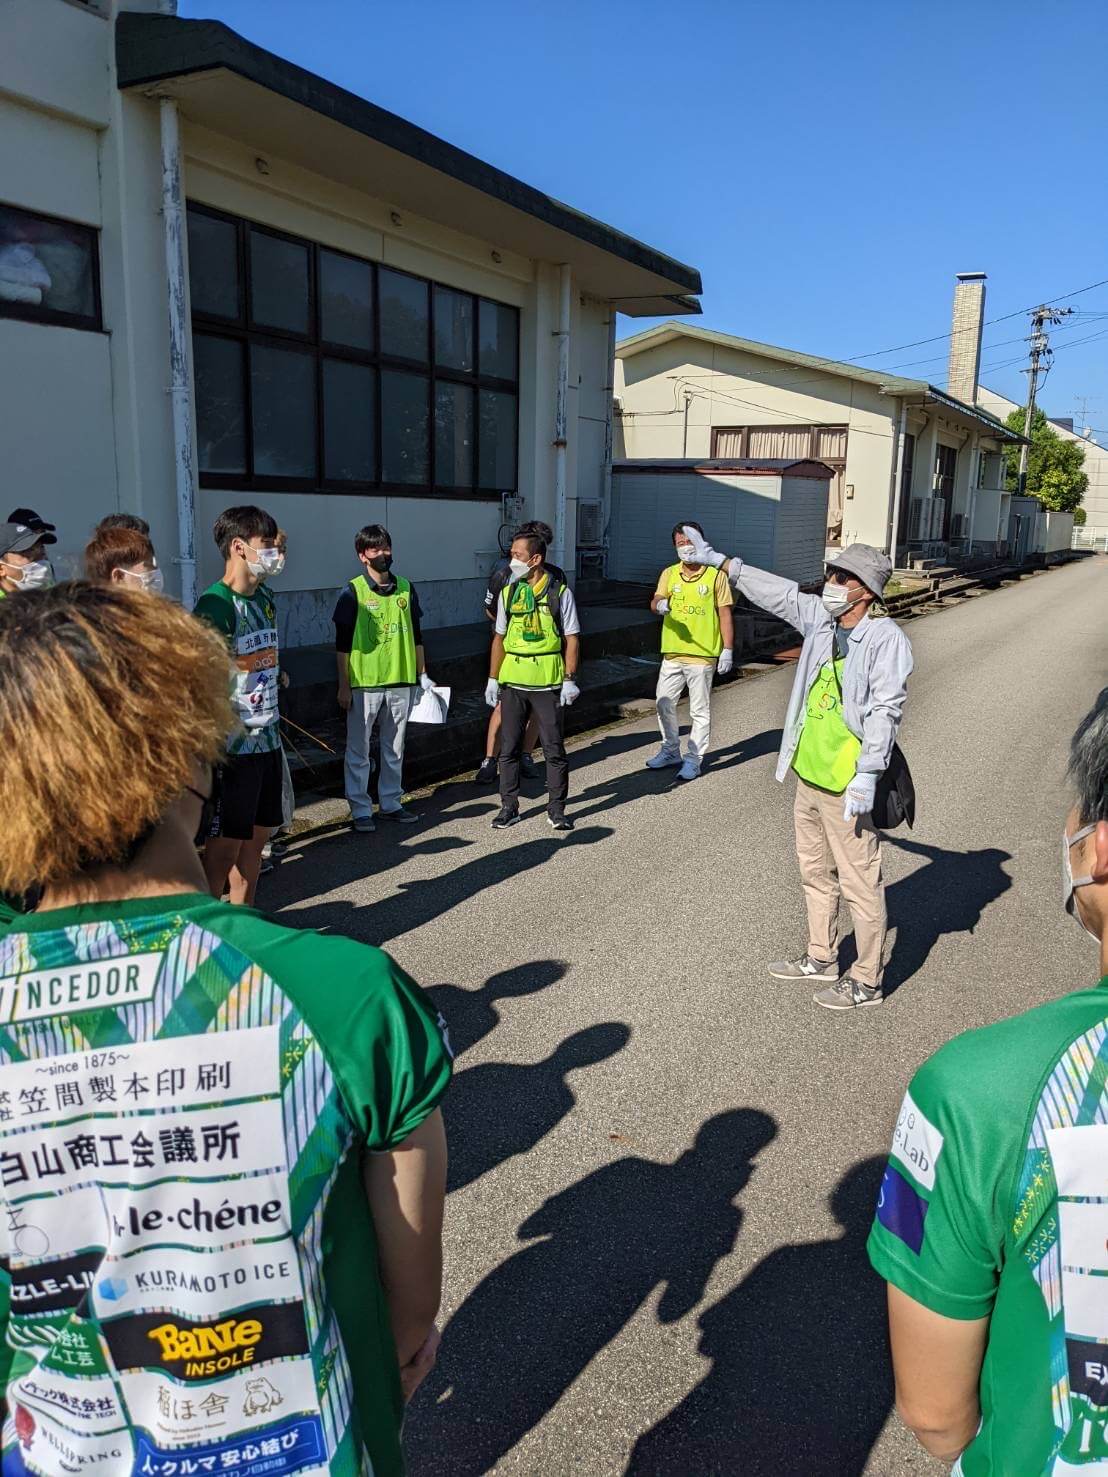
(249, 622)
(188, 1269)
(995, 1204)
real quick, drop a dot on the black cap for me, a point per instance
(17, 538)
(28, 518)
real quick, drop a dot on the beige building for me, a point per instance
(1096, 463)
(906, 456)
(223, 279)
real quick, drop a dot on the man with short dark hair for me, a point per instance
(698, 640)
(131, 521)
(533, 669)
(992, 1221)
(241, 607)
(498, 579)
(379, 656)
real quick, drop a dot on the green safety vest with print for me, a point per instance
(383, 653)
(249, 623)
(691, 625)
(827, 752)
(533, 642)
(995, 1205)
(188, 1269)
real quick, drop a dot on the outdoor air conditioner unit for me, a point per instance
(918, 522)
(589, 531)
(938, 514)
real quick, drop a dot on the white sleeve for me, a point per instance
(501, 616)
(571, 624)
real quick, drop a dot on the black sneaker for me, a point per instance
(507, 816)
(559, 822)
(528, 768)
(487, 774)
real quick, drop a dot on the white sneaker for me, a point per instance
(664, 759)
(690, 770)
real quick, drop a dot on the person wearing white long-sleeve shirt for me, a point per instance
(842, 720)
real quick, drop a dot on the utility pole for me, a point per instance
(1040, 350)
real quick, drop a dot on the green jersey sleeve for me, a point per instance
(938, 1234)
(217, 609)
(384, 1039)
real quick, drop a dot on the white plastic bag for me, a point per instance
(432, 706)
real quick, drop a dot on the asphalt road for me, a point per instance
(663, 1162)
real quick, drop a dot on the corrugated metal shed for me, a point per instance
(773, 513)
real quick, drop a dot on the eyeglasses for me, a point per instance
(839, 576)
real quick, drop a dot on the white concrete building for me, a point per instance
(906, 456)
(1096, 462)
(370, 324)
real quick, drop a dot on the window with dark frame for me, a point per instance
(49, 270)
(317, 371)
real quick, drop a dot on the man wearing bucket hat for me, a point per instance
(842, 720)
(23, 565)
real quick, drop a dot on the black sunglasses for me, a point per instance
(839, 576)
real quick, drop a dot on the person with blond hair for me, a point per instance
(208, 1163)
(123, 555)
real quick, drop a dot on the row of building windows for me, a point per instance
(314, 370)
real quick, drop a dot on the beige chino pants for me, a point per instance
(840, 859)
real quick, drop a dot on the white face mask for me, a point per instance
(1072, 882)
(519, 568)
(687, 554)
(268, 561)
(153, 580)
(836, 599)
(34, 576)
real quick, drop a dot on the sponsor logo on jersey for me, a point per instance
(75, 987)
(51, 1286)
(1088, 1369)
(917, 1143)
(901, 1209)
(198, 1350)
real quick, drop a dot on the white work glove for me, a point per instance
(661, 607)
(570, 692)
(726, 661)
(705, 554)
(859, 796)
(492, 692)
(425, 682)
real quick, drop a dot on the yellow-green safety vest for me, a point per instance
(532, 661)
(383, 653)
(691, 625)
(827, 751)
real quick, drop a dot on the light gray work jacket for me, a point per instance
(875, 674)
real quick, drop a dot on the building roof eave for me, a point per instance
(222, 72)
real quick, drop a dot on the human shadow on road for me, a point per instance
(471, 1015)
(622, 788)
(528, 1330)
(949, 895)
(800, 1378)
(417, 902)
(497, 1110)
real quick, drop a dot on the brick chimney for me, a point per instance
(965, 336)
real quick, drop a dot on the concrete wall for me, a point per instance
(86, 428)
(731, 387)
(1096, 462)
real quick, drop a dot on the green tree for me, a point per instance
(1054, 465)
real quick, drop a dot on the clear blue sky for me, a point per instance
(828, 165)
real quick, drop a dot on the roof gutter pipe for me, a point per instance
(180, 379)
(561, 412)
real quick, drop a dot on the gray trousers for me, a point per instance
(390, 707)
